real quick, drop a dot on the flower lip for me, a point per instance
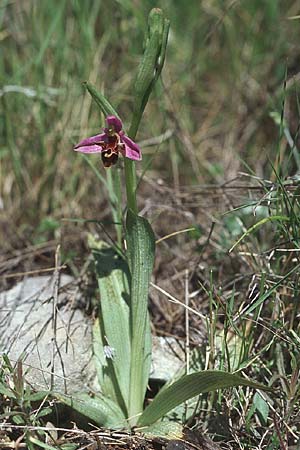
(109, 157)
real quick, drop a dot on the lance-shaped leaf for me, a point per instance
(112, 342)
(105, 372)
(101, 101)
(101, 410)
(141, 248)
(188, 387)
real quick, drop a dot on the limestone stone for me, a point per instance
(52, 339)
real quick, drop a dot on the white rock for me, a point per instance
(167, 358)
(29, 331)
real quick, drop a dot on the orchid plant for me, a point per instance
(122, 338)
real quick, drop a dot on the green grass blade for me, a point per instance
(51, 30)
(98, 174)
(141, 248)
(188, 387)
(261, 299)
(259, 224)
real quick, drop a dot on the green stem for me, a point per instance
(135, 123)
(130, 180)
(130, 170)
(115, 199)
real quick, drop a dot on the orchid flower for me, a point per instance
(110, 143)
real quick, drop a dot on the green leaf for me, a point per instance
(69, 446)
(98, 351)
(141, 248)
(261, 407)
(37, 396)
(18, 419)
(188, 387)
(106, 382)
(41, 444)
(101, 410)
(6, 391)
(113, 279)
(10, 414)
(165, 429)
(101, 101)
(42, 413)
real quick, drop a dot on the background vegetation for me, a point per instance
(220, 140)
